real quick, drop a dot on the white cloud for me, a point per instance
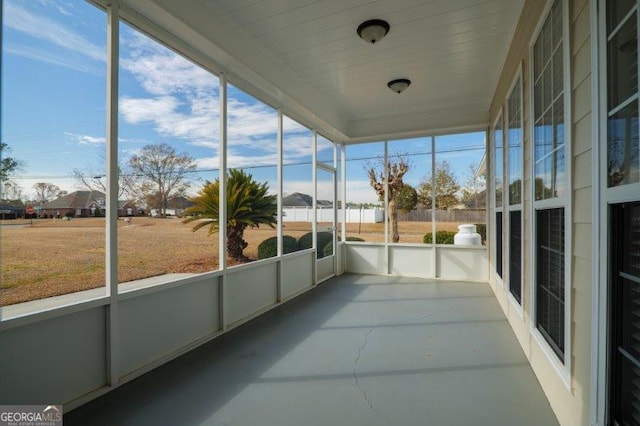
(63, 7)
(290, 125)
(43, 28)
(144, 110)
(212, 144)
(198, 126)
(86, 139)
(236, 159)
(297, 146)
(360, 191)
(209, 163)
(303, 187)
(64, 183)
(182, 101)
(251, 120)
(159, 70)
(49, 57)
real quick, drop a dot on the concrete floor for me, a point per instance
(357, 350)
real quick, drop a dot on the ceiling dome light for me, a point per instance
(399, 85)
(373, 30)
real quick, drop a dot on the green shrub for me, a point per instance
(306, 241)
(355, 239)
(328, 249)
(269, 247)
(442, 237)
(481, 228)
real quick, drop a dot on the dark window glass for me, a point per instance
(622, 63)
(499, 243)
(616, 11)
(628, 402)
(625, 314)
(550, 277)
(515, 254)
(623, 150)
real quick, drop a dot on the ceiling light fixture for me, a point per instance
(373, 30)
(399, 85)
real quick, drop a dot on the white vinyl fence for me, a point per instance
(354, 215)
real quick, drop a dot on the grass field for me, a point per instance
(53, 257)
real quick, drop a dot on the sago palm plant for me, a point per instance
(248, 205)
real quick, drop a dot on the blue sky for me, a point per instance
(54, 99)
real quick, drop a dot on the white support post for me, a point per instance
(280, 193)
(314, 205)
(280, 183)
(343, 176)
(386, 206)
(222, 207)
(434, 262)
(343, 199)
(335, 209)
(111, 257)
(488, 192)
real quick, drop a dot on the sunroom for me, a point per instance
(449, 186)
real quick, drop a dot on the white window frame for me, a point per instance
(562, 367)
(333, 170)
(514, 207)
(603, 196)
(494, 206)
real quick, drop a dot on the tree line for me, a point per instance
(441, 189)
(152, 177)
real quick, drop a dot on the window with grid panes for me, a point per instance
(623, 173)
(498, 189)
(623, 150)
(550, 179)
(514, 181)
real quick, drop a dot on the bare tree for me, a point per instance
(162, 173)
(396, 168)
(98, 182)
(45, 191)
(11, 191)
(94, 178)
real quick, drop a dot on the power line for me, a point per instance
(263, 166)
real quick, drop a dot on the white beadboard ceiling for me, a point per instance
(305, 56)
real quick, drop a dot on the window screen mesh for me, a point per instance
(550, 277)
(499, 243)
(625, 327)
(515, 254)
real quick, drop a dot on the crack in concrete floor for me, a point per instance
(356, 379)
